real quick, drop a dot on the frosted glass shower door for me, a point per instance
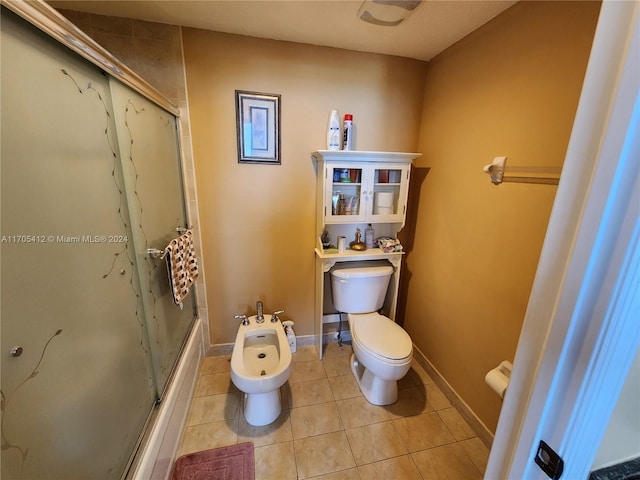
(77, 382)
(149, 147)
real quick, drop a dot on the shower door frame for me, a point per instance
(48, 20)
(58, 27)
(153, 451)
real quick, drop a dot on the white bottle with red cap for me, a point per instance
(348, 131)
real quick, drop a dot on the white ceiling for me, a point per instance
(433, 26)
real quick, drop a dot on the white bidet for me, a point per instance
(260, 365)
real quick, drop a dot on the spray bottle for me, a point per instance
(291, 336)
(348, 132)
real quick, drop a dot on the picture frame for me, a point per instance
(258, 127)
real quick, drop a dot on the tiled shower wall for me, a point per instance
(154, 51)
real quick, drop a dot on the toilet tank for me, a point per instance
(359, 288)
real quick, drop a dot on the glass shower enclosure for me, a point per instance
(90, 180)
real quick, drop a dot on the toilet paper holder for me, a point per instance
(499, 377)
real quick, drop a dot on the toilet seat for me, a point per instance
(381, 337)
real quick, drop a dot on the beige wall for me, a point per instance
(509, 89)
(152, 50)
(258, 221)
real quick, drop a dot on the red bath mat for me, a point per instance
(235, 462)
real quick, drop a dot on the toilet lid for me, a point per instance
(381, 335)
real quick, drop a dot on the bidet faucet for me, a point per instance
(260, 316)
(245, 319)
(274, 315)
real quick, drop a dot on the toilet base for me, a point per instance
(262, 408)
(376, 390)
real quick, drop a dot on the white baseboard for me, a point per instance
(465, 411)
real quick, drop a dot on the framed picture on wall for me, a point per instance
(258, 127)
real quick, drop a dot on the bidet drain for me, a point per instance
(262, 355)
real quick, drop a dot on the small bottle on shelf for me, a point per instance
(369, 233)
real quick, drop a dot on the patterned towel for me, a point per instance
(182, 266)
(389, 245)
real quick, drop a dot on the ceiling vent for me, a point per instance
(387, 13)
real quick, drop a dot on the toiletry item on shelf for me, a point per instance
(369, 233)
(357, 244)
(334, 199)
(326, 239)
(348, 210)
(334, 139)
(342, 244)
(348, 132)
(345, 175)
(354, 205)
(383, 176)
(341, 208)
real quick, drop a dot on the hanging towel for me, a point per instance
(181, 265)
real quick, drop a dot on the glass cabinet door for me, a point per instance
(389, 193)
(366, 193)
(344, 195)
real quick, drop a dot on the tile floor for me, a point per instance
(327, 430)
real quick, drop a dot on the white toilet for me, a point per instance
(260, 365)
(382, 349)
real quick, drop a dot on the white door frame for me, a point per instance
(581, 330)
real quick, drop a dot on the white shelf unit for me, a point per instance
(374, 187)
